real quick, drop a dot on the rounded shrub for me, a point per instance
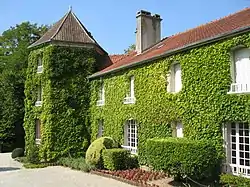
(94, 152)
(18, 152)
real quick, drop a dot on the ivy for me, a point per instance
(202, 105)
(64, 112)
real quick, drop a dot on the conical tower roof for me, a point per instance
(68, 29)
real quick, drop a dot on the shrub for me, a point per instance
(94, 152)
(182, 157)
(75, 163)
(18, 152)
(231, 180)
(33, 155)
(132, 162)
(115, 159)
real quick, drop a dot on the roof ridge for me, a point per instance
(58, 29)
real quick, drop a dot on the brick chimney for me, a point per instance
(148, 30)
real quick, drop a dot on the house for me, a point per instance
(194, 84)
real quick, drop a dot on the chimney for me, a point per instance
(148, 30)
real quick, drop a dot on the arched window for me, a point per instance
(240, 71)
(130, 136)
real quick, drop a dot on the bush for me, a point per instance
(234, 181)
(32, 154)
(132, 162)
(115, 159)
(18, 152)
(75, 163)
(94, 152)
(181, 157)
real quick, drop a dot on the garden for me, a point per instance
(179, 161)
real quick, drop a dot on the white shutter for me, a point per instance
(132, 87)
(242, 66)
(177, 78)
(179, 130)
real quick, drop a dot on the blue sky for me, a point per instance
(112, 22)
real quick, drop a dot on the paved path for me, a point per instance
(12, 175)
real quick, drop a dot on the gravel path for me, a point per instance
(12, 175)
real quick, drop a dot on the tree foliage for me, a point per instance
(14, 53)
(129, 49)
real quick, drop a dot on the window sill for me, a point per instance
(39, 69)
(100, 103)
(238, 88)
(38, 103)
(133, 150)
(129, 100)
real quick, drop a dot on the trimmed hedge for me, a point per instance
(94, 152)
(181, 157)
(233, 181)
(115, 159)
(18, 152)
(75, 163)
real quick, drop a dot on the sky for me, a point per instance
(113, 22)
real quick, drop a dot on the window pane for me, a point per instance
(177, 77)
(234, 160)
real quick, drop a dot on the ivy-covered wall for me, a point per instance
(202, 105)
(64, 112)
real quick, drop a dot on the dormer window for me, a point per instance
(240, 71)
(175, 82)
(39, 96)
(101, 99)
(130, 97)
(40, 65)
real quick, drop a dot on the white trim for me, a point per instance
(171, 86)
(130, 98)
(39, 69)
(101, 95)
(38, 103)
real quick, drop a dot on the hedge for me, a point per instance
(182, 157)
(115, 159)
(229, 180)
(94, 152)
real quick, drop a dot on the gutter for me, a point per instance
(174, 51)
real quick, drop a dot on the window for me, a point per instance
(40, 65)
(240, 71)
(130, 135)
(100, 128)
(178, 129)
(175, 83)
(39, 96)
(130, 98)
(101, 99)
(38, 131)
(237, 145)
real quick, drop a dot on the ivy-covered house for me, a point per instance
(194, 84)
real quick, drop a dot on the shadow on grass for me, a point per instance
(3, 169)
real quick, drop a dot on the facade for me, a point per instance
(193, 84)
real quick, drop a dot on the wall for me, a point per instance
(203, 105)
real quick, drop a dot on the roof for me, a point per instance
(67, 29)
(217, 29)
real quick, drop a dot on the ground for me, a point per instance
(12, 175)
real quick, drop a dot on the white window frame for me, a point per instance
(101, 99)
(39, 101)
(131, 136)
(237, 87)
(130, 98)
(171, 78)
(38, 139)
(40, 65)
(100, 128)
(237, 147)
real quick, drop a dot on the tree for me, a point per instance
(129, 49)
(14, 53)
